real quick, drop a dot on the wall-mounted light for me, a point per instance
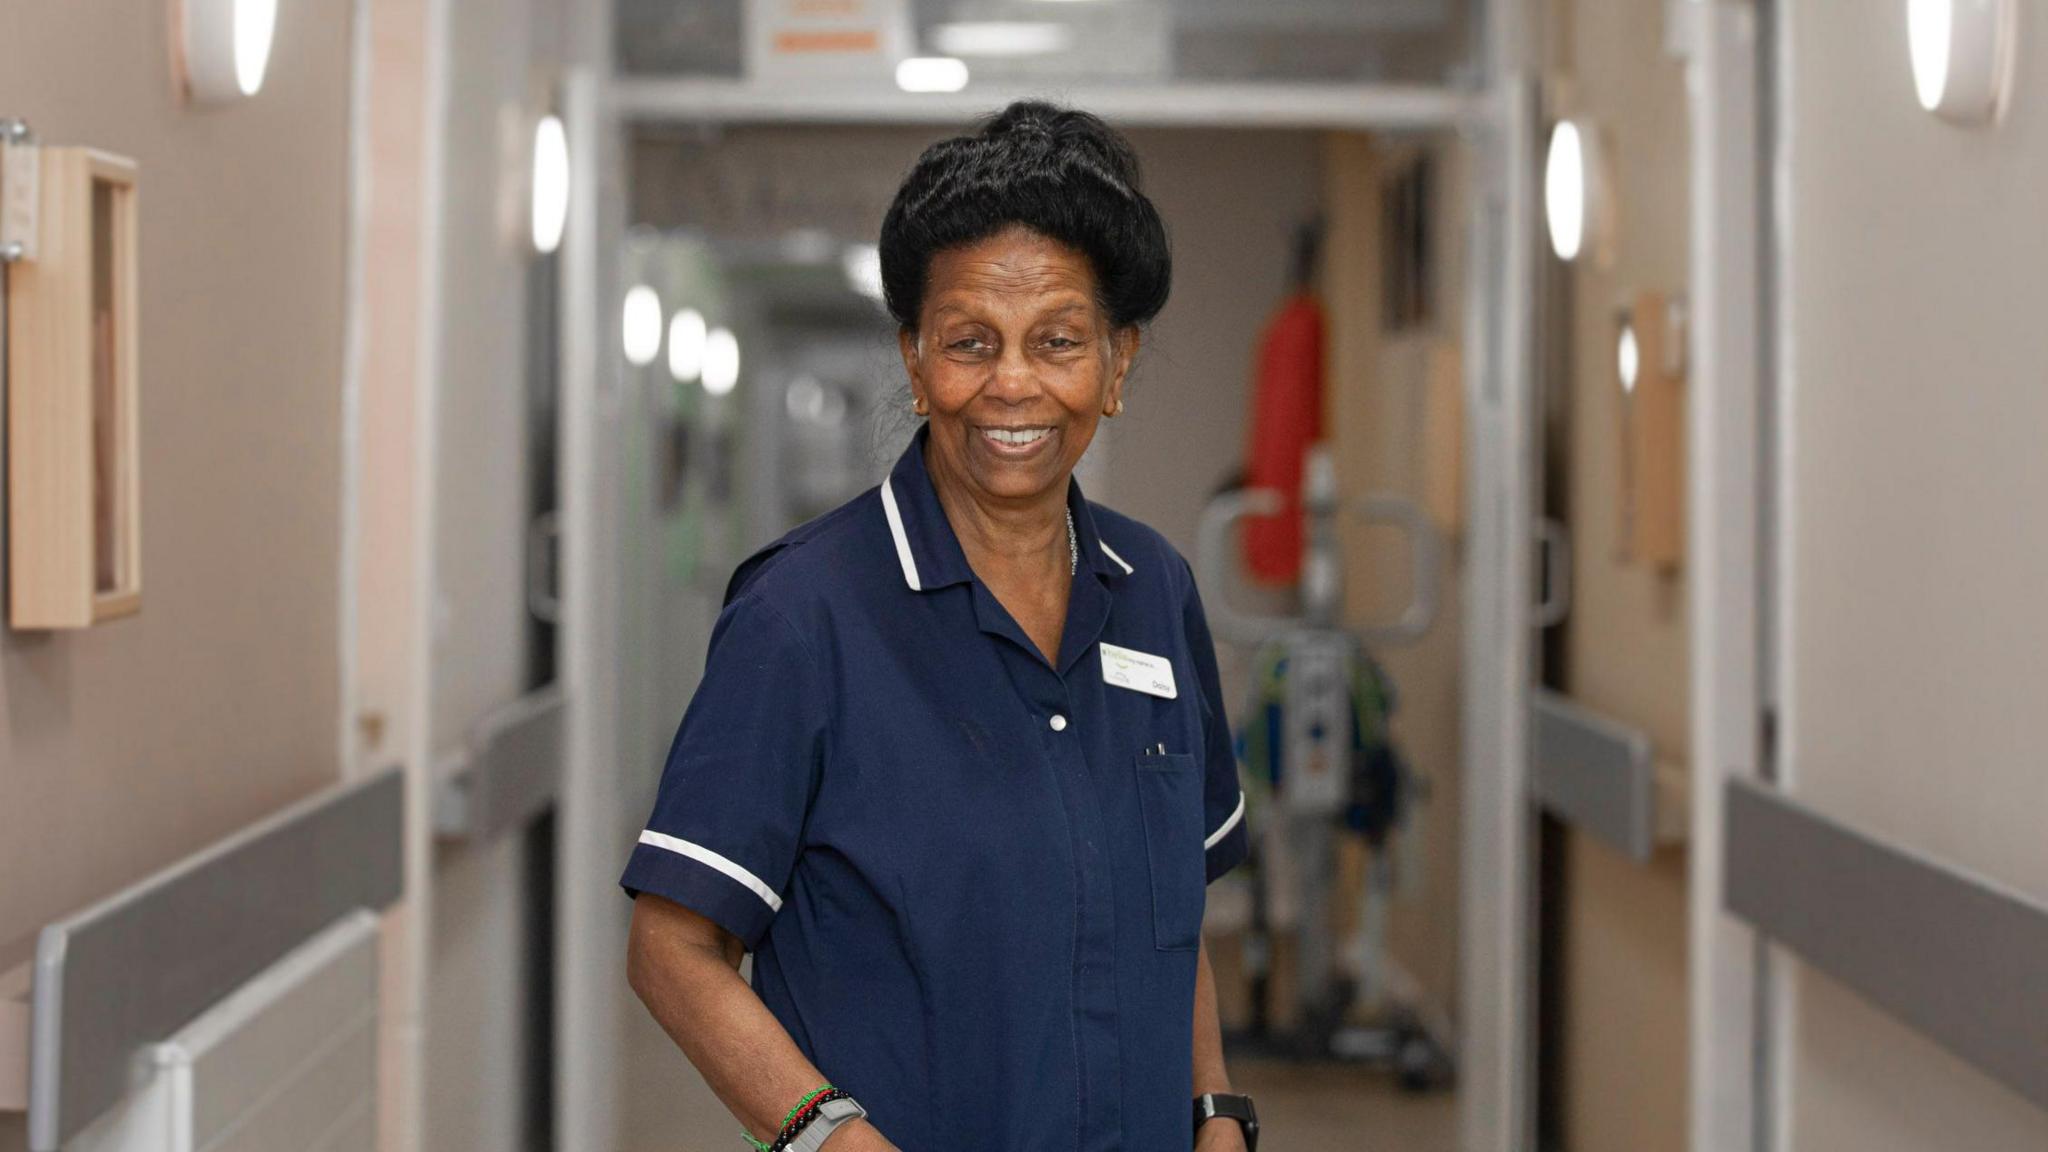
(721, 361)
(931, 74)
(550, 184)
(1628, 355)
(642, 326)
(686, 336)
(1961, 52)
(863, 265)
(224, 47)
(1576, 195)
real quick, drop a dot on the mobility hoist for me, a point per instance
(1319, 764)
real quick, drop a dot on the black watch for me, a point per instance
(1238, 1108)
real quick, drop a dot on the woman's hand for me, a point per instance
(1221, 1134)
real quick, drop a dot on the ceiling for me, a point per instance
(1107, 41)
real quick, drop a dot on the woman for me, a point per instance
(958, 770)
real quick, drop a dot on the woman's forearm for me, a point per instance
(1210, 1075)
(686, 971)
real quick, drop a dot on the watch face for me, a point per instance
(841, 1109)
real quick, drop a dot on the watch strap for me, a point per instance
(1214, 1105)
(831, 1114)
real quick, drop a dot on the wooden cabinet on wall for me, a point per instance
(74, 535)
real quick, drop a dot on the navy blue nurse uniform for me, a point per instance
(972, 880)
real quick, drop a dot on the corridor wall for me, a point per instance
(502, 66)
(1621, 1022)
(127, 746)
(1909, 645)
(1383, 393)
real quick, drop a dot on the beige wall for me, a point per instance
(127, 746)
(132, 743)
(1231, 201)
(1379, 403)
(1623, 1020)
(1912, 291)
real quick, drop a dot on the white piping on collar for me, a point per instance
(903, 555)
(1120, 561)
(909, 562)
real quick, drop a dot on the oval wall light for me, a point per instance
(686, 338)
(224, 47)
(642, 328)
(721, 361)
(1628, 356)
(1574, 188)
(1961, 54)
(550, 184)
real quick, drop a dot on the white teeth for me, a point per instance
(1015, 436)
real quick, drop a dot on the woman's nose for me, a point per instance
(1016, 377)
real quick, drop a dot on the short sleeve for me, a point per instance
(1225, 841)
(728, 819)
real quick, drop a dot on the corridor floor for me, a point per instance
(1329, 1108)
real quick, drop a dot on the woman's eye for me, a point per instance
(966, 344)
(1062, 342)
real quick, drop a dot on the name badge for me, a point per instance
(1138, 671)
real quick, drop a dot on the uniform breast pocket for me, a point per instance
(1170, 791)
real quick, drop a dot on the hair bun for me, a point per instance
(1059, 171)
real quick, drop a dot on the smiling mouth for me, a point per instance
(1014, 438)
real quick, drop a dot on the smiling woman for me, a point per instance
(958, 770)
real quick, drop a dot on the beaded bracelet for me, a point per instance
(801, 1119)
(811, 1099)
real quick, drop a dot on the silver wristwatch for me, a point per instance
(831, 1114)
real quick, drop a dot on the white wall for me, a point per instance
(502, 59)
(1913, 289)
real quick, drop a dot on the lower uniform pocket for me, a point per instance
(1170, 791)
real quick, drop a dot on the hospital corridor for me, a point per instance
(1023, 575)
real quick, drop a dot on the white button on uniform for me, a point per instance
(1059, 723)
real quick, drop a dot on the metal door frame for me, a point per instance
(1730, 494)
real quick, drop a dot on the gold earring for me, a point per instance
(917, 405)
(1119, 409)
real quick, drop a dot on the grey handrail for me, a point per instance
(1952, 954)
(1599, 774)
(508, 772)
(135, 967)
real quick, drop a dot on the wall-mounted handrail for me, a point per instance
(1955, 955)
(1599, 774)
(135, 967)
(510, 770)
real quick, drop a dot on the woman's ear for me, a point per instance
(1124, 349)
(906, 343)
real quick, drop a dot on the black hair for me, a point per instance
(1059, 172)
